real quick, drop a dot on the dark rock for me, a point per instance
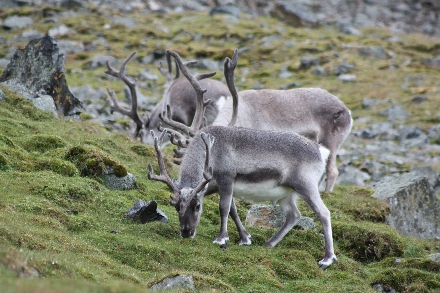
(175, 283)
(40, 68)
(415, 210)
(144, 212)
(308, 62)
(419, 99)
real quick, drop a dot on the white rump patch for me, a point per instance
(221, 102)
(325, 152)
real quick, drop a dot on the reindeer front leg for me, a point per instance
(245, 237)
(225, 190)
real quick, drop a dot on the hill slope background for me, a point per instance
(62, 230)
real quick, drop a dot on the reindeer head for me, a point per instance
(186, 199)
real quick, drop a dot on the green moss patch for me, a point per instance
(368, 242)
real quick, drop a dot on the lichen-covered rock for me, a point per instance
(415, 210)
(272, 216)
(40, 69)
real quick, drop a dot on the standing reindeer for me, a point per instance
(311, 112)
(180, 97)
(249, 164)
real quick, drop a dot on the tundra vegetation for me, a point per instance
(58, 219)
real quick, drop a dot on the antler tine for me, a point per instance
(200, 109)
(113, 102)
(229, 67)
(163, 176)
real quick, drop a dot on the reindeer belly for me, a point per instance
(262, 191)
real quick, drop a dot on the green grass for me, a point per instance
(59, 219)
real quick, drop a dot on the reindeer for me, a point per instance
(249, 164)
(312, 112)
(180, 97)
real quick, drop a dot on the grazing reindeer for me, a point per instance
(180, 97)
(249, 164)
(311, 112)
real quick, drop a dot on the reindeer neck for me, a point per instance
(192, 166)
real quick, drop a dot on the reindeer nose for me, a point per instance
(187, 233)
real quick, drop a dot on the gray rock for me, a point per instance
(415, 210)
(128, 22)
(347, 77)
(344, 68)
(119, 183)
(350, 175)
(144, 212)
(272, 216)
(295, 14)
(178, 282)
(17, 22)
(376, 52)
(45, 103)
(395, 114)
(435, 257)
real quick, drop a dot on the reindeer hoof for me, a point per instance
(246, 241)
(325, 263)
(221, 241)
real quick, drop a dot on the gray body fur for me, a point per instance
(181, 97)
(311, 112)
(254, 165)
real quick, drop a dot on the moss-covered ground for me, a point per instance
(58, 219)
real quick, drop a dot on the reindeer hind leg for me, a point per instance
(288, 204)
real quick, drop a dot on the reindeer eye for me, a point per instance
(198, 208)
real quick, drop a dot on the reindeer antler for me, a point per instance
(198, 121)
(229, 67)
(168, 74)
(163, 177)
(114, 105)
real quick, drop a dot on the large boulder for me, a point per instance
(39, 69)
(415, 209)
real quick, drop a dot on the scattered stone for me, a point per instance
(418, 99)
(344, 68)
(17, 22)
(435, 257)
(178, 282)
(226, 9)
(376, 52)
(350, 175)
(347, 77)
(39, 68)
(144, 212)
(395, 114)
(272, 216)
(295, 14)
(415, 210)
(308, 62)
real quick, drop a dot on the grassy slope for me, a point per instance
(58, 222)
